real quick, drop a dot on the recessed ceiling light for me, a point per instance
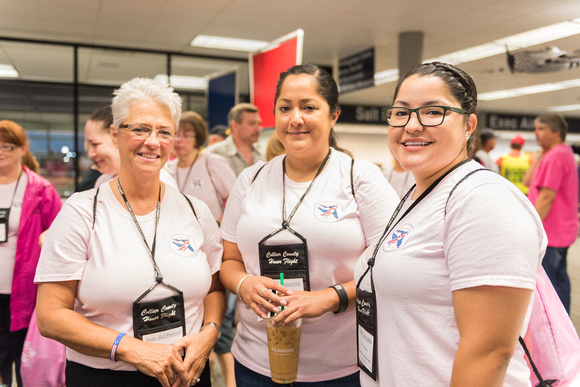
(543, 88)
(183, 82)
(225, 43)
(564, 108)
(8, 71)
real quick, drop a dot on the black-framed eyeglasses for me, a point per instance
(144, 131)
(431, 115)
(6, 148)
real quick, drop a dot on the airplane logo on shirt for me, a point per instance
(328, 211)
(398, 238)
(182, 245)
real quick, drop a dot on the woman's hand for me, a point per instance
(160, 361)
(307, 304)
(259, 293)
(197, 348)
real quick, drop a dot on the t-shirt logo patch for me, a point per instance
(196, 183)
(399, 237)
(182, 245)
(328, 211)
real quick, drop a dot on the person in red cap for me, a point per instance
(513, 165)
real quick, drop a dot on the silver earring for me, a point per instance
(467, 136)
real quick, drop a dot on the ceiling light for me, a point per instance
(564, 108)
(183, 82)
(224, 43)
(513, 42)
(8, 71)
(543, 88)
(386, 76)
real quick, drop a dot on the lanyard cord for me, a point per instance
(388, 229)
(286, 221)
(16, 188)
(158, 275)
(188, 172)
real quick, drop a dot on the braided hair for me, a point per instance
(459, 84)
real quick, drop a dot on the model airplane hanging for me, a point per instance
(542, 61)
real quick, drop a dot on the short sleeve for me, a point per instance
(376, 199)
(233, 209)
(492, 236)
(64, 252)
(212, 245)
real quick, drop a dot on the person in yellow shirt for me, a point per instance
(513, 165)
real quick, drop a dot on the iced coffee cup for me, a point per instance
(283, 348)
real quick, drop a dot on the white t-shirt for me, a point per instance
(337, 229)
(211, 179)
(8, 249)
(490, 236)
(114, 267)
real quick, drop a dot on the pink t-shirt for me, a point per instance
(557, 171)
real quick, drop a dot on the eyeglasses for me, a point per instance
(143, 131)
(427, 115)
(6, 148)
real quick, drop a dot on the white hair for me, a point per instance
(144, 89)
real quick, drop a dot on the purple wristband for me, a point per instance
(115, 345)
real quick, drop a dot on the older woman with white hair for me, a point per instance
(129, 272)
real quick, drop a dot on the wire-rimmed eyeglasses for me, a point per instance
(144, 131)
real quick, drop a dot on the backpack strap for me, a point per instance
(191, 206)
(461, 181)
(95, 207)
(352, 178)
(257, 173)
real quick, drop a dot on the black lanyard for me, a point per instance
(158, 275)
(286, 220)
(388, 229)
(15, 189)
(188, 172)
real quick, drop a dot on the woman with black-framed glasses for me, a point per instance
(28, 205)
(129, 271)
(445, 292)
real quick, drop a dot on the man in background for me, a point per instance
(553, 182)
(513, 165)
(218, 134)
(238, 148)
(488, 142)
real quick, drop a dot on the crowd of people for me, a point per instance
(160, 261)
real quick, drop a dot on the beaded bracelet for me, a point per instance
(115, 345)
(240, 286)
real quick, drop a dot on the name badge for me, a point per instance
(161, 321)
(4, 215)
(366, 323)
(291, 259)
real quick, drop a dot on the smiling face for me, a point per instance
(100, 147)
(428, 152)
(303, 118)
(144, 156)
